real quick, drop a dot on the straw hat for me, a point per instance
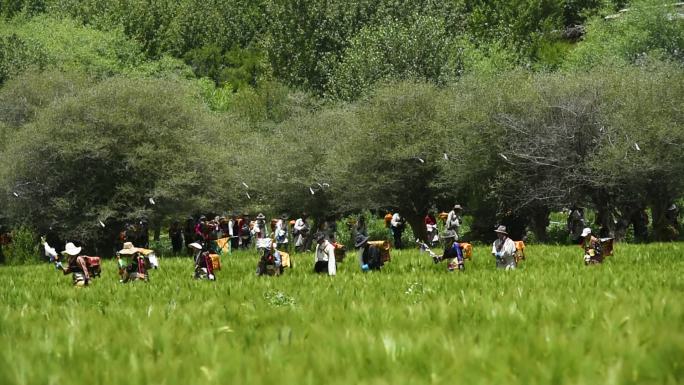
(128, 249)
(71, 249)
(501, 229)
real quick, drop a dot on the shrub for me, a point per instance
(24, 247)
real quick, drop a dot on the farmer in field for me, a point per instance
(431, 228)
(245, 232)
(281, 233)
(452, 252)
(76, 265)
(325, 256)
(503, 249)
(204, 268)
(593, 253)
(454, 220)
(234, 232)
(259, 230)
(369, 255)
(136, 269)
(176, 237)
(301, 233)
(397, 225)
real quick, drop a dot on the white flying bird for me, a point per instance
(311, 190)
(248, 197)
(152, 201)
(245, 184)
(102, 224)
(15, 194)
(504, 156)
(636, 147)
(421, 160)
(446, 157)
(326, 185)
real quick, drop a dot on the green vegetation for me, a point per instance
(552, 321)
(509, 108)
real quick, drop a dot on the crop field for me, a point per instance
(553, 321)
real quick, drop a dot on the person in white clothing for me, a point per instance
(281, 233)
(454, 219)
(300, 232)
(503, 249)
(397, 225)
(325, 256)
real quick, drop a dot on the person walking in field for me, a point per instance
(503, 250)
(397, 225)
(369, 255)
(593, 253)
(454, 220)
(431, 228)
(176, 237)
(301, 233)
(76, 265)
(259, 230)
(452, 252)
(325, 256)
(280, 231)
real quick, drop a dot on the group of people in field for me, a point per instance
(206, 239)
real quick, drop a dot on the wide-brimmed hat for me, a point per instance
(458, 207)
(128, 248)
(261, 216)
(448, 234)
(360, 240)
(320, 237)
(501, 229)
(284, 217)
(586, 231)
(71, 249)
(195, 245)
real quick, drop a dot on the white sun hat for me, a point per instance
(586, 231)
(71, 249)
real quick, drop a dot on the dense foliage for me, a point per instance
(509, 108)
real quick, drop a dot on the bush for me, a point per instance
(24, 247)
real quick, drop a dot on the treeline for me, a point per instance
(340, 49)
(511, 148)
(337, 108)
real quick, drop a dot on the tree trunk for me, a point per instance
(157, 230)
(417, 223)
(540, 221)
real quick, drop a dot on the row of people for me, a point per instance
(372, 255)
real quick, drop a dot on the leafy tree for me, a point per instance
(100, 155)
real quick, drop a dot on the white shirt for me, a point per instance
(508, 248)
(453, 221)
(396, 218)
(299, 224)
(326, 252)
(230, 228)
(280, 231)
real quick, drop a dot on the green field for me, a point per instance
(554, 321)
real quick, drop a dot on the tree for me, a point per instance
(99, 157)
